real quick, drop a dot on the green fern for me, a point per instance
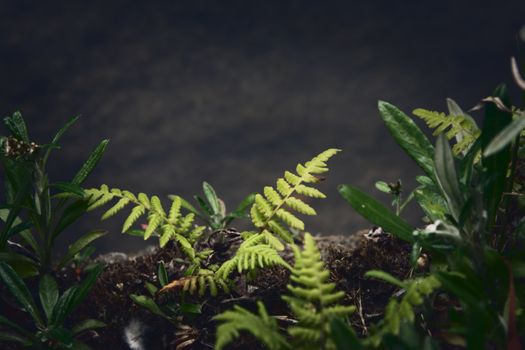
(167, 226)
(262, 326)
(397, 312)
(461, 127)
(272, 210)
(251, 255)
(313, 300)
(197, 284)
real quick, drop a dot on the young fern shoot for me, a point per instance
(312, 299)
(171, 225)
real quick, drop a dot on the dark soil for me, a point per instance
(347, 257)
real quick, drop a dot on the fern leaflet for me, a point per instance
(462, 127)
(260, 325)
(167, 226)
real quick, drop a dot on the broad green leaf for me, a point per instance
(87, 325)
(211, 197)
(80, 244)
(90, 163)
(375, 212)
(63, 307)
(382, 275)
(343, 335)
(432, 203)
(505, 137)
(162, 275)
(48, 291)
(497, 164)
(23, 265)
(447, 178)
(147, 303)
(408, 135)
(19, 291)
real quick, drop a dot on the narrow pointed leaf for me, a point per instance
(446, 176)
(48, 290)
(90, 163)
(20, 291)
(376, 213)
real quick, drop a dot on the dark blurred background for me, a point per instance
(236, 92)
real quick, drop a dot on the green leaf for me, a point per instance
(162, 274)
(147, 303)
(343, 335)
(80, 244)
(382, 275)
(497, 164)
(383, 186)
(23, 265)
(447, 178)
(375, 212)
(48, 290)
(69, 187)
(191, 308)
(505, 137)
(90, 163)
(211, 197)
(408, 135)
(20, 291)
(87, 325)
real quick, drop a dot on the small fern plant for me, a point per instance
(312, 301)
(398, 312)
(456, 124)
(171, 225)
(273, 217)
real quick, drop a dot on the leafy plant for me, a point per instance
(472, 217)
(212, 209)
(312, 301)
(456, 124)
(171, 225)
(171, 310)
(49, 315)
(272, 213)
(38, 211)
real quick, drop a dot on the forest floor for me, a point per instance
(347, 257)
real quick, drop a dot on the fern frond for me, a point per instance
(312, 299)
(460, 127)
(269, 213)
(261, 326)
(197, 284)
(251, 257)
(397, 312)
(168, 226)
